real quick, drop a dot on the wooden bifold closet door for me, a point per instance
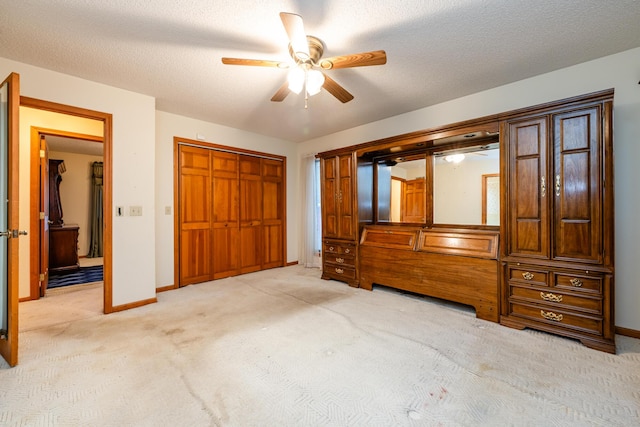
(231, 213)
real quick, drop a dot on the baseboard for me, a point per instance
(131, 305)
(26, 299)
(166, 288)
(627, 332)
(289, 264)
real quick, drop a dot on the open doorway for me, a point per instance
(37, 218)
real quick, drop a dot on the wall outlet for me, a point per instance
(167, 210)
(135, 210)
(119, 211)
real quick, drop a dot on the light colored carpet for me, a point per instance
(285, 348)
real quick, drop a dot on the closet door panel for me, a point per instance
(195, 216)
(330, 197)
(273, 214)
(250, 214)
(225, 215)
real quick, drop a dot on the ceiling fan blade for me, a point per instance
(254, 62)
(336, 90)
(282, 93)
(294, 27)
(376, 57)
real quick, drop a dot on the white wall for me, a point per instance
(170, 125)
(133, 170)
(621, 72)
(75, 193)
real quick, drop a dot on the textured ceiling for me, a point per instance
(437, 50)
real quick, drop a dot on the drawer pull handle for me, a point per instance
(340, 260)
(527, 275)
(550, 297)
(331, 248)
(576, 282)
(347, 251)
(339, 270)
(550, 315)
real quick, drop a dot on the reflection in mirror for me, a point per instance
(458, 186)
(402, 191)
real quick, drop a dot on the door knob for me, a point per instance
(12, 233)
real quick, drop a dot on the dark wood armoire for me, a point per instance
(63, 238)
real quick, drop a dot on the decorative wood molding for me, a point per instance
(107, 135)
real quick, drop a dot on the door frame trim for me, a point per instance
(107, 120)
(35, 190)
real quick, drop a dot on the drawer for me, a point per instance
(558, 300)
(553, 316)
(578, 282)
(528, 275)
(339, 248)
(344, 259)
(339, 272)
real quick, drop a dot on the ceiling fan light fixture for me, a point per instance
(296, 79)
(454, 158)
(315, 80)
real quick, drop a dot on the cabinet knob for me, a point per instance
(346, 251)
(331, 248)
(339, 270)
(340, 260)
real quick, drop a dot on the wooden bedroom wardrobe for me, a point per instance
(230, 211)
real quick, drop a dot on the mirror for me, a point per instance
(466, 187)
(459, 178)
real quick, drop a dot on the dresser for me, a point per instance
(63, 248)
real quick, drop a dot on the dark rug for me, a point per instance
(75, 277)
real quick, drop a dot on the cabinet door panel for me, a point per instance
(577, 184)
(345, 198)
(329, 197)
(528, 195)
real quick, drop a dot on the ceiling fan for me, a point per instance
(307, 70)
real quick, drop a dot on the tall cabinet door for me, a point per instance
(273, 215)
(529, 188)
(330, 190)
(195, 215)
(226, 221)
(345, 198)
(577, 185)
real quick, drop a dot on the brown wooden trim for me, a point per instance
(484, 194)
(25, 299)
(107, 136)
(176, 212)
(166, 288)
(131, 305)
(284, 211)
(633, 333)
(489, 123)
(289, 264)
(34, 201)
(212, 146)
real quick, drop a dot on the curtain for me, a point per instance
(96, 221)
(310, 251)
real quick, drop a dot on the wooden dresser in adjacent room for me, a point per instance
(63, 248)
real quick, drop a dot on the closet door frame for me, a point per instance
(177, 142)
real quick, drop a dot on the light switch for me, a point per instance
(167, 210)
(119, 211)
